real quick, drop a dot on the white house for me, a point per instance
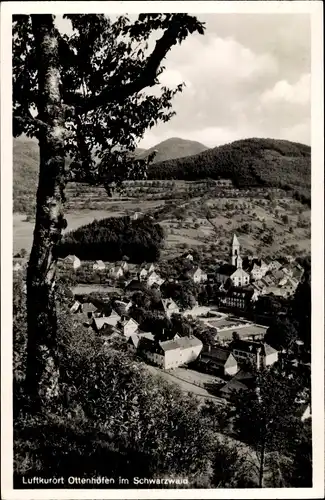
(123, 265)
(145, 270)
(197, 275)
(76, 307)
(137, 215)
(172, 353)
(258, 270)
(189, 256)
(154, 278)
(115, 272)
(73, 261)
(129, 327)
(274, 265)
(170, 307)
(17, 267)
(99, 265)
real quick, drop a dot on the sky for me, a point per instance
(247, 76)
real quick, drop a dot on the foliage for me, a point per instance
(301, 308)
(184, 293)
(282, 333)
(112, 238)
(104, 67)
(248, 163)
(265, 416)
(112, 417)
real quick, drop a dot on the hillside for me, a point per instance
(248, 163)
(25, 173)
(174, 148)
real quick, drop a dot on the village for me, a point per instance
(208, 344)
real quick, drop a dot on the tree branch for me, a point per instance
(118, 92)
(25, 118)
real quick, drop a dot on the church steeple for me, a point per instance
(235, 251)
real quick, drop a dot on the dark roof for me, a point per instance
(233, 386)
(217, 355)
(226, 269)
(136, 285)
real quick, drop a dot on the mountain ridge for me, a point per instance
(247, 162)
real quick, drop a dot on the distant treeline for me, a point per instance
(248, 163)
(113, 238)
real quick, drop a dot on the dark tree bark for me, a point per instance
(42, 366)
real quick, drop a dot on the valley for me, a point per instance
(194, 215)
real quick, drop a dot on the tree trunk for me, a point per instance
(42, 364)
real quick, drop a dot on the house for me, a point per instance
(137, 215)
(259, 353)
(154, 278)
(287, 271)
(171, 353)
(134, 285)
(290, 259)
(259, 286)
(231, 388)
(197, 275)
(89, 309)
(304, 412)
(170, 307)
(269, 279)
(115, 272)
(128, 327)
(257, 269)
(239, 298)
(76, 307)
(189, 256)
(99, 323)
(17, 266)
(242, 381)
(217, 359)
(145, 270)
(73, 261)
(123, 265)
(274, 265)
(99, 265)
(122, 308)
(289, 286)
(135, 339)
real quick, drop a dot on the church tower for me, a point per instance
(235, 251)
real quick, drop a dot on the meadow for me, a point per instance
(193, 215)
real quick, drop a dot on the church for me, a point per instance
(233, 271)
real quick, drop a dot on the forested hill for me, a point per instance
(174, 148)
(114, 237)
(248, 163)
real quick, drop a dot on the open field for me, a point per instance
(267, 222)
